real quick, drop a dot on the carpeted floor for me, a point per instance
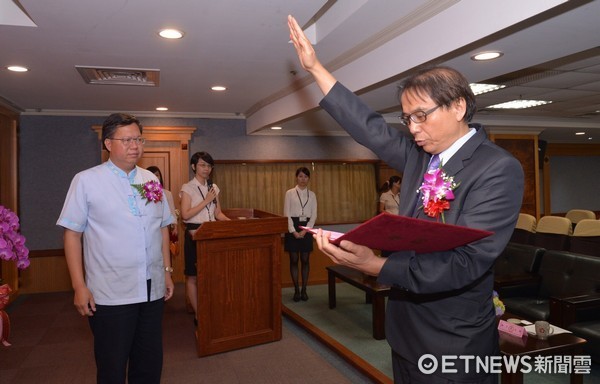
(350, 324)
(51, 344)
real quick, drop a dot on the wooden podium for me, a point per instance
(239, 281)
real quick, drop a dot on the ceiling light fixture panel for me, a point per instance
(480, 88)
(519, 104)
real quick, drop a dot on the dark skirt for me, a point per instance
(292, 244)
(189, 250)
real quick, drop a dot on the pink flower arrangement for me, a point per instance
(150, 190)
(437, 193)
(12, 248)
(12, 243)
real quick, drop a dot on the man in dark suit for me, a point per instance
(440, 309)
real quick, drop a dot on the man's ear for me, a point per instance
(107, 144)
(459, 106)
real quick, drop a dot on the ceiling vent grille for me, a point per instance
(524, 76)
(119, 76)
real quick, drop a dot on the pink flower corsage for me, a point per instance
(437, 193)
(150, 190)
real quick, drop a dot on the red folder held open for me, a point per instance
(400, 233)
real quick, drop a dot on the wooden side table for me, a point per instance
(375, 293)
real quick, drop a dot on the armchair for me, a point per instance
(586, 237)
(581, 315)
(553, 232)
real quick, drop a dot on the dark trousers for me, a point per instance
(406, 372)
(128, 342)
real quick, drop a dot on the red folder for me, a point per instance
(391, 232)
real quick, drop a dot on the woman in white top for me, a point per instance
(199, 203)
(389, 201)
(300, 207)
(173, 227)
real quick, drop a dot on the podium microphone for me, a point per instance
(209, 184)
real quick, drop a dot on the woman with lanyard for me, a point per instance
(199, 203)
(389, 201)
(300, 207)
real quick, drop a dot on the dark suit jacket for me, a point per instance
(441, 303)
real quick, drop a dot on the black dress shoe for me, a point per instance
(304, 296)
(297, 296)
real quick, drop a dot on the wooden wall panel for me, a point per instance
(47, 273)
(525, 149)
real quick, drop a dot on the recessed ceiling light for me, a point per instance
(17, 68)
(275, 128)
(478, 88)
(162, 108)
(171, 34)
(218, 88)
(483, 56)
(519, 104)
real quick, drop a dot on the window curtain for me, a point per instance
(346, 192)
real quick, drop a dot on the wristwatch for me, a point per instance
(169, 269)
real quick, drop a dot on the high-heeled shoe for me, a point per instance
(297, 296)
(303, 295)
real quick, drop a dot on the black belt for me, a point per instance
(191, 226)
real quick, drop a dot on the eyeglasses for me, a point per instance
(205, 165)
(128, 140)
(416, 117)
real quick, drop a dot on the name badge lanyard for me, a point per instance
(207, 205)
(302, 216)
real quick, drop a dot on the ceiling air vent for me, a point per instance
(119, 76)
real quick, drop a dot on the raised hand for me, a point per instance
(308, 57)
(304, 48)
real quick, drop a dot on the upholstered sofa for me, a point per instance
(581, 315)
(518, 259)
(561, 275)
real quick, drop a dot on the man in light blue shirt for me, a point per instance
(122, 275)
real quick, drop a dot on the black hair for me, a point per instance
(303, 170)
(394, 179)
(154, 169)
(443, 85)
(201, 155)
(115, 121)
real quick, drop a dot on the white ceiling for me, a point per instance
(551, 52)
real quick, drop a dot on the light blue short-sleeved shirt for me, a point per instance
(122, 240)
